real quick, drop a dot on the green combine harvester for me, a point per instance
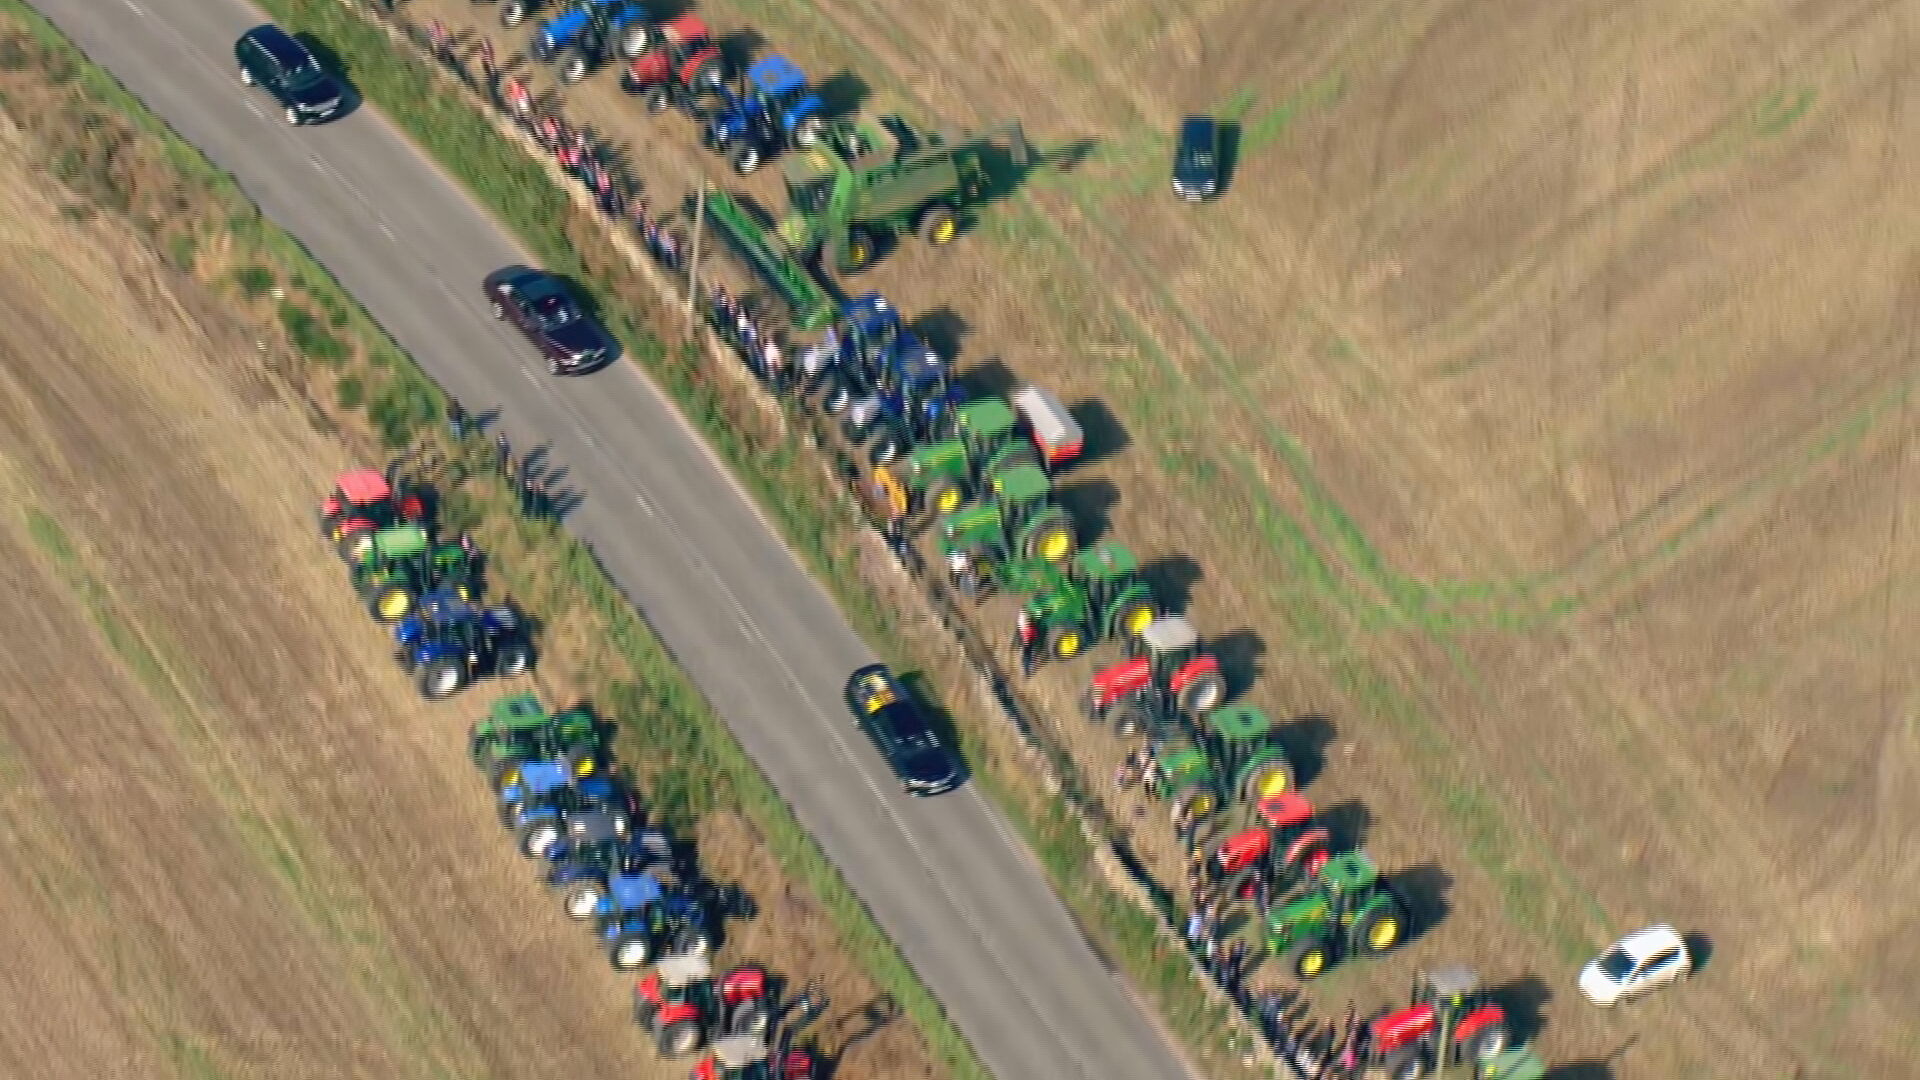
(861, 185)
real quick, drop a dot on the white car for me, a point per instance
(1643, 961)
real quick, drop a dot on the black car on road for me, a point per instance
(1196, 159)
(271, 59)
(899, 729)
(545, 310)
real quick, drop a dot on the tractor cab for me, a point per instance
(1230, 756)
(1016, 523)
(362, 503)
(681, 1005)
(1122, 600)
(1348, 910)
(1170, 677)
(1287, 846)
(1451, 1021)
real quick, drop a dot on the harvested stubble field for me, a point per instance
(238, 844)
(1533, 411)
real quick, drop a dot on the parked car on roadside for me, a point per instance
(276, 62)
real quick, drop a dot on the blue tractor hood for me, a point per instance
(870, 314)
(633, 892)
(776, 75)
(919, 367)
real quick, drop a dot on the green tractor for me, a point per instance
(519, 729)
(1101, 597)
(942, 476)
(1348, 910)
(1018, 524)
(401, 564)
(1232, 758)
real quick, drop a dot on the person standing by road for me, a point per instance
(456, 421)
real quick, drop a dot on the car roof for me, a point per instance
(903, 718)
(1642, 944)
(282, 46)
(1197, 129)
(538, 283)
(777, 75)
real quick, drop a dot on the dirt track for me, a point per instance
(1532, 412)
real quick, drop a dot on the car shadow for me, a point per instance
(1229, 155)
(1700, 947)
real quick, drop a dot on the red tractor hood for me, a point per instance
(1119, 680)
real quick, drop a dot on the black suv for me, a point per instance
(1196, 159)
(900, 730)
(271, 59)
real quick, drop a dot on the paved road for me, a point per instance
(945, 876)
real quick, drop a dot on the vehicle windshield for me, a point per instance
(1616, 965)
(810, 197)
(553, 312)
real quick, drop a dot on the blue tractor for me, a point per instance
(857, 339)
(597, 843)
(907, 399)
(776, 110)
(536, 804)
(588, 33)
(641, 920)
(447, 643)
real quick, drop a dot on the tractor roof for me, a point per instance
(444, 606)
(870, 312)
(597, 826)
(1105, 560)
(739, 1051)
(1350, 873)
(685, 28)
(401, 541)
(987, 416)
(970, 519)
(1169, 633)
(518, 712)
(631, 892)
(1022, 483)
(1241, 723)
(683, 971)
(1452, 980)
(363, 486)
(540, 777)
(1285, 810)
(776, 75)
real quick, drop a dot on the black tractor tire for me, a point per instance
(945, 494)
(1380, 930)
(354, 545)
(1486, 1041)
(537, 836)
(1411, 1063)
(680, 1038)
(938, 225)
(634, 40)
(441, 679)
(390, 602)
(858, 252)
(884, 445)
(1309, 958)
(751, 1017)
(1203, 695)
(514, 12)
(581, 898)
(1066, 642)
(1141, 612)
(746, 159)
(644, 1012)
(574, 69)
(513, 658)
(1050, 536)
(631, 950)
(1130, 721)
(808, 132)
(692, 941)
(658, 99)
(1195, 800)
(835, 395)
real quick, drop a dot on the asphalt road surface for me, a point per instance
(966, 903)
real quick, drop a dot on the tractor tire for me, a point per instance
(1130, 721)
(858, 252)
(512, 660)
(808, 132)
(680, 1038)
(884, 446)
(505, 774)
(631, 949)
(1380, 930)
(509, 813)
(1486, 1041)
(1065, 642)
(513, 13)
(692, 941)
(658, 99)
(751, 1017)
(390, 603)
(1194, 800)
(746, 160)
(634, 41)
(1309, 958)
(1271, 779)
(1408, 1064)
(353, 546)
(1134, 617)
(537, 836)
(441, 679)
(945, 495)
(836, 395)
(581, 899)
(1049, 537)
(574, 69)
(938, 225)
(1203, 695)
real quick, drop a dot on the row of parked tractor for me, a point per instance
(979, 473)
(560, 799)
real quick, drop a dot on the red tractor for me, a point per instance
(680, 64)
(1287, 847)
(1170, 678)
(748, 1057)
(1451, 1022)
(684, 1009)
(362, 504)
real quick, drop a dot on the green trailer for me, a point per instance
(756, 243)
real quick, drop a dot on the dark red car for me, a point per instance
(545, 310)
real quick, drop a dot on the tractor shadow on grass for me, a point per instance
(1525, 1000)
(1305, 739)
(842, 95)
(1582, 1070)
(1425, 889)
(1239, 653)
(991, 378)
(1172, 579)
(336, 65)
(738, 48)
(1090, 503)
(1104, 437)
(943, 329)
(1347, 824)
